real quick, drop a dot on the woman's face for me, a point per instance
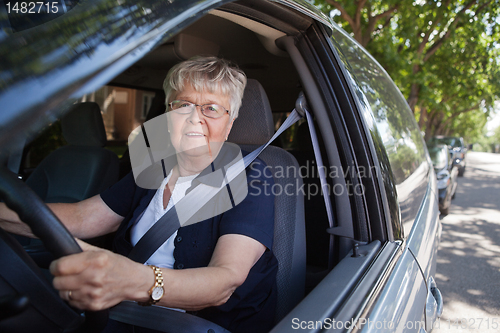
(191, 134)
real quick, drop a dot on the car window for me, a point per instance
(394, 122)
(122, 109)
(126, 100)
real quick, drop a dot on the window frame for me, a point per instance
(355, 137)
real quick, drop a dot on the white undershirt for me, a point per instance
(164, 256)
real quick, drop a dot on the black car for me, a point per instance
(358, 256)
(446, 173)
(457, 148)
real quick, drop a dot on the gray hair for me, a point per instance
(210, 74)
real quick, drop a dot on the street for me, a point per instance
(468, 269)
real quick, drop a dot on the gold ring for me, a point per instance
(69, 295)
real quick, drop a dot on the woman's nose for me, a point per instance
(196, 116)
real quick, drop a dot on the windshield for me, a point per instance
(438, 156)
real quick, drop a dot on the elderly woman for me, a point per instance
(222, 267)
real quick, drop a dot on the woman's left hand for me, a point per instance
(97, 279)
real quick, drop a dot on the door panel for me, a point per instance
(401, 304)
(423, 239)
(348, 283)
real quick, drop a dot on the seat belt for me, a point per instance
(302, 105)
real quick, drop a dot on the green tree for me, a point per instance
(442, 55)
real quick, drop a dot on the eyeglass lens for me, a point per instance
(209, 110)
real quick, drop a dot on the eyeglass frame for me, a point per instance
(196, 105)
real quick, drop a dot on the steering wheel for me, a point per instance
(45, 225)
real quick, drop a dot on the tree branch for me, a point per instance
(453, 24)
(359, 8)
(472, 108)
(429, 31)
(482, 7)
(343, 13)
(372, 21)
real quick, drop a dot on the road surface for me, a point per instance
(468, 269)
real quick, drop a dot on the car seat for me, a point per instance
(74, 172)
(254, 127)
(81, 169)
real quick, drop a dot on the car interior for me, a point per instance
(95, 156)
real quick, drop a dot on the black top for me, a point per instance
(251, 308)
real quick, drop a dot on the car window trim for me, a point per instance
(343, 212)
(369, 158)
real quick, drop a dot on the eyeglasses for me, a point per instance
(208, 110)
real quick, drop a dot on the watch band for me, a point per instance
(156, 292)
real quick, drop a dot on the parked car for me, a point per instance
(363, 261)
(457, 147)
(446, 173)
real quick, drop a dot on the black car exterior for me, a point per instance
(367, 268)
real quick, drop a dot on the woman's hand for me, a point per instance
(97, 279)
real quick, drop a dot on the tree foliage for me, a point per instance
(443, 55)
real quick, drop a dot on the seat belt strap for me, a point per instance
(321, 169)
(301, 105)
(191, 203)
(289, 121)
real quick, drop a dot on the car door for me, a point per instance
(392, 289)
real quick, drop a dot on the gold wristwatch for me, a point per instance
(156, 292)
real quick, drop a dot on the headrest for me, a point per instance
(83, 125)
(254, 125)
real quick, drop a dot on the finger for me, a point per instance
(72, 264)
(68, 282)
(86, 299)
(71, 297)
(66, 295)
(86, 246)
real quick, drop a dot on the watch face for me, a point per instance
(157, 293)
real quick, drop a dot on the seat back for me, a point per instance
(254, 127)
(81, 169)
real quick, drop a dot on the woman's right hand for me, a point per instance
(97, 279)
